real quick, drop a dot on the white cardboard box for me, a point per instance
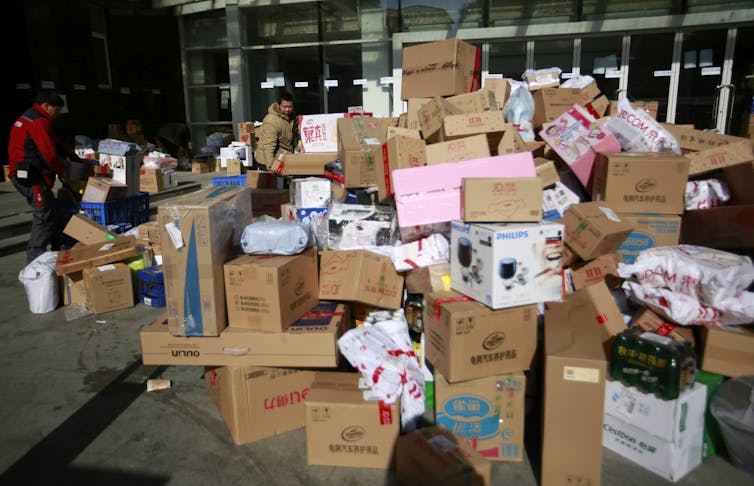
(311, 192)
(664, 436)
(506, 265)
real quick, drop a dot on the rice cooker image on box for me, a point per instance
(506, 265)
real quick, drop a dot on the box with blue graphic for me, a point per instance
(199, 233)
(151, 286)
(488, 413)
(650, 230)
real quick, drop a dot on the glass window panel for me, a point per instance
(509, 12)
(206, 29)
(340, 20)
(650, 61)
(600, 56)
(210, 104)
(743, 66)
(701, 72)
(344, 64)
(420, 15)
(554, 53)
(281, 24)
(208, 67)
(508, 58)
(695, 6)
(600, 9)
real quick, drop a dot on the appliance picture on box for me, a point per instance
(470, 266)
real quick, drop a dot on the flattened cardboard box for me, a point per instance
(502, 200)
(87, 256)
(632, 182)
(287, 163)
(574, 393)
(467, 340)
(593, 229)
(723, 227)
(270, 293)
(312, 341)
(88, 232)
(199, 233)
(487, 412)
(109, 287)
(361, 276)
(466, 148)
(728, 351)
(650, 230)
(434, 455)
(697, 140)
(720, 157)
(257, 403)
(443, 68)
(342, 429)
(360, 142)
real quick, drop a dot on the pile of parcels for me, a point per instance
(223, 152)
(432, 260)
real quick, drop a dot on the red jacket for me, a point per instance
(33, 140)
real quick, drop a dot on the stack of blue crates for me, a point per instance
(239, 180)
(151, 286)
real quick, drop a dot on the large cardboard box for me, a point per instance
(574, 394)
(501, 87)
(87, 256)
(312, 164)
(86, 231)
(720, 157)
(593, 229)
(199, 233)
(664, 436)
(507, 265)
(257, 403)
(434, 455)
(109, 287)
(550, 103)
(722, 227)
(360, 142)
(650, 230)
(633, 182)
(698, 140)
(361, 276)
(270, 293)
(467, 340)
(343, 429)
(491, 123)
(101, 189)
(431, 116)
(399, 152)
(501, 200)
(154, 180)
(487, 412)
(478, 101)
(319, 133)
(728, 351)
(312, 341)
(466, 148)
(443, 68)
(204, 166)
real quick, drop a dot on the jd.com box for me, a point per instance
(259, 402)
(507, 265)
(199, 233)
(501, 199)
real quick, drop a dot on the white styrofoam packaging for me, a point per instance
(664, 436)
(507, 265)
(311, 192)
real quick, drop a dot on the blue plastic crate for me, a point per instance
(239, 181)
(133, 210)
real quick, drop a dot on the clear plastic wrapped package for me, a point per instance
(276, 238)
(353, 226)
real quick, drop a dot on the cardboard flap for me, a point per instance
(570, 332)
(86, 256)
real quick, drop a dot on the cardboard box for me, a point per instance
(574, 394)
(466, 148)
(412, 112)
(312, 164)
(487, 412)
(501, 87)
(125, 170)
(432, 194)
(740, 180)
(310, 192)
(246, 133)
(550, 103)
(319, 133)
(698, 140)
(424, 280)
(234, 167)
(598, 106)
(260, 179)
(361, 276)
(511, 142)
(434, 455)
(100, 190)
(200, 232)
(651, 107)
(443, 68)
(154, 180)
(257, 403)
(466, 340)
(647, 320)
(593, 229)
(88, 232)
(506, 265)
(360, 142)
(431, 115)
(74, 290)
(592, 272)
(343, 429)
(728, 351)
(310, 342)
(546, 171)
(399, 152)
(109, 287)
(723, 227)
(720, 157)
(268, 201)
(501, 200)
(664, 436)
(203, 166)
(404, 132)
(491, 123)
(713, 439)
(633, 182)
(478, 101)
(602, 309)
(87, 256)
(270, 293)
(650, 230)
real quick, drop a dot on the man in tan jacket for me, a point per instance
(278, 131)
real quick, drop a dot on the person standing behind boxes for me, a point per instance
(278, 131)
(34, 159)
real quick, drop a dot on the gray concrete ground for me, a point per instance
(75, 410)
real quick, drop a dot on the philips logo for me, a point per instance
(513, 235)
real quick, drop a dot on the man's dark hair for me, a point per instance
(50, 97)
(285, 97)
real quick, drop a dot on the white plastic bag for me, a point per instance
(40, 283)
(709, 193)
(423, 253)
(578, 82)
(275, 238)
(519, 110)
(636, 131)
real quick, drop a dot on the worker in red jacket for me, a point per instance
(35, 157)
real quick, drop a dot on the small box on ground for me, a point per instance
(109, 287)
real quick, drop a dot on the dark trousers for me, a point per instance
(45, 223)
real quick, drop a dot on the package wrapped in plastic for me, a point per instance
(354, 226)
(41, 283)
(159, 160)
(519, 110)
(578, 82)
(709, 193)
(384, 355)
(422, 253)
(636, 131)
(542, 78)
(276, 238)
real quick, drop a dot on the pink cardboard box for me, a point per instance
(577, 137)
(432, 193)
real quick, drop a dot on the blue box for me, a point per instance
(151, 286)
